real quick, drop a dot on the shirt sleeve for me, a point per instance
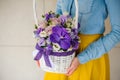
(58, 7)
(107, 42)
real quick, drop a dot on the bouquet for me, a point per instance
(57, 40)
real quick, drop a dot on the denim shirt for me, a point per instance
(92, 15)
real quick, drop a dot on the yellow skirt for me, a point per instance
(97, 69)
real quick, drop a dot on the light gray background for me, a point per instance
(17, 42)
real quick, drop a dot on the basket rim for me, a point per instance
(67, 53)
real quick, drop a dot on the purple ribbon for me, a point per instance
(46, 53)
(62, 53)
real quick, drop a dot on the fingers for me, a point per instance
(70, 70)
(38, 63)
(74, 65)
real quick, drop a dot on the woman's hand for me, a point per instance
(74, 65)
(38, 63)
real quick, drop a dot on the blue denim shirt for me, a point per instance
(92, 15)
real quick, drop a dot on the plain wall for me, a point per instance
(17, 42)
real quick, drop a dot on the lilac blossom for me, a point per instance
(42, 42)
(63, 19)
(48, 16)
(37, 32)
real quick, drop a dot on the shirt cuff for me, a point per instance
(83, 58)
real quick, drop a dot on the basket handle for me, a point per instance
(76, 14)
(35, 13)
(36, 19)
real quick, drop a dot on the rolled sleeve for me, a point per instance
(107, 42)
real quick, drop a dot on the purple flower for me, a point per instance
(74, 31)
(75, 44)
(61, 37)
(48, 16)
(75, 38)
(42, 42)
(78, 25)
(63, 19)
(37, 32)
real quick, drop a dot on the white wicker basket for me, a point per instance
(59, 63)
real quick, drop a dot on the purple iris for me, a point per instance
(61, 36)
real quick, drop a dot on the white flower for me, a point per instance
(56, 47)
(68, 24)
(55, 21)
(70, 19)
(60, 50)
(68, 29)
(48, 41)
(43, 34)
(70, 49)
(73, 23)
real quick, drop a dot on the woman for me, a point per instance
(91, 62)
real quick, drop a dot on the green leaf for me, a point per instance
(43, 16)
(57, 15)
(36, 27)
